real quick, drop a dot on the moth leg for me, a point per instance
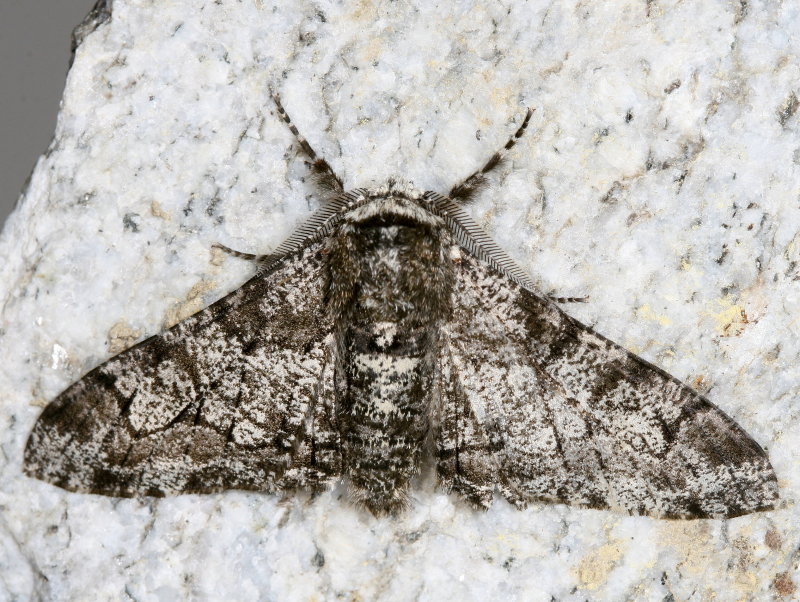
(567, 299)
(317, 457)
(465, 191)
(240, 254)
(466, 461)
(327, 178)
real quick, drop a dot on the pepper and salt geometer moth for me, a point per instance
(387, 333)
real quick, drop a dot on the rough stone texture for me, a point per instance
(661, 178)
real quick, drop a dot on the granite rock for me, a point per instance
(660, 177)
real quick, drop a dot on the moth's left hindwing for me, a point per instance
(539, 405)
(238, 396)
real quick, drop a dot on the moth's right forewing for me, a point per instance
(570, 416)
(224, 399)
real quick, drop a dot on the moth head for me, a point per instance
(395, 202)
(397, 187)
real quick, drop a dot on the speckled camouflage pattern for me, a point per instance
(387, 331)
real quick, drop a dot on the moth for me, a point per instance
(389, 333)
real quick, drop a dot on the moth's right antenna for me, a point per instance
(464, 192)
(327, 178)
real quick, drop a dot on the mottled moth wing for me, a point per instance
(541, 406)
(237, 396)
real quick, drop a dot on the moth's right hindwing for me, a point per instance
(237, 396)
(546, 409)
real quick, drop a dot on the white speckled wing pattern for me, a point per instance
(341, 359)
(236, 396)
(539, 405)
(387, 326)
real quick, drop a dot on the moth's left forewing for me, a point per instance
(232, 397)
(570, 416)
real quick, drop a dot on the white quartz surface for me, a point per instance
(660, 177)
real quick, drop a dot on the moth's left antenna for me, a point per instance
(464, 192)
(327, 178)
